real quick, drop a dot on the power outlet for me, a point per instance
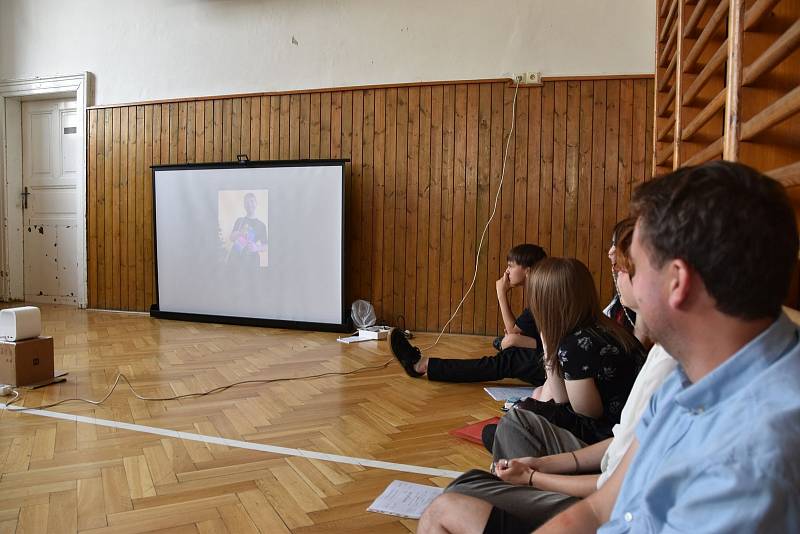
(527, 78)
(533, 78)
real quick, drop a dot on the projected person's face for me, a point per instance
(250, 204)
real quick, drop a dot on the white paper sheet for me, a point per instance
(508, 393)
(405, 499)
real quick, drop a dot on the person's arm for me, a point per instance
(503, 286)
(584, 397)
(518, 340)
(557, 472)
(520, 474)
(590, 513)
(553, 388)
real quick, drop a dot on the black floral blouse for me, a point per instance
(593, 353)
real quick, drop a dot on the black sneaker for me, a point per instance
(405, 352)
(498, 343)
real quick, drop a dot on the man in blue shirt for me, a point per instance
(713, 250)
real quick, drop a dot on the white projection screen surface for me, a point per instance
(261, 242)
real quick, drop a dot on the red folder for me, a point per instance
(473, 432)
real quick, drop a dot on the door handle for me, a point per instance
(25, 194)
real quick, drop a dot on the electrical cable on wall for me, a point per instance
(485, 228)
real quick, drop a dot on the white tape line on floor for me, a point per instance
(285, 451)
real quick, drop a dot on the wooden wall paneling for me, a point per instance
(142, 184)
(611, 185)
(255, 128)
(91, 209)
(350, 209)
(131, 193)
(305, 126)
(446, 263)
(520, 188)
(533, 208)
(470, 207)
(401, 193)
(315, 124)
(100, 182)
(109, 208)
(275, 127)
(571, 178)
(208, 131)
(236, 128)
(244, 136)
(152, 157)
(423, 205)
(435, 252)
(366, 195)
(191, 132)
(227, 127)
(124, 194)
(389, 313)
(172, 140)
(358, 228)
(597, 239)
(425, 168)
(584, 171)
(116, 194)
(487, 116)
(494, 233)
(624, 172)
(505, 207)
(285, 121)
(294, 126)
(557, 229)
(638, 125)
(546, 185)
(325, 126)
(459, 201)
(183, 119)
(264, 118)
(213, 131)
(412, 202)
(649, 134)
(378, 256)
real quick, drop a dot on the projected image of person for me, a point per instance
(248, 237)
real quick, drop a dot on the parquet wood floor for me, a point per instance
(64, 476)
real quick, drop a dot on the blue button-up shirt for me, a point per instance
(721, 455)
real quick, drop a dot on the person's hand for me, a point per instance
(510, 340)
(252, 247)
(503, 285)
(513, 471)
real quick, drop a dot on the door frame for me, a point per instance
(12, 94)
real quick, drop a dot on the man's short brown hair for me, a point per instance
(733, 225)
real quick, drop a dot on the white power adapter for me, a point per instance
(5, 390)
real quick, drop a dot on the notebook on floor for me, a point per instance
(473, 432)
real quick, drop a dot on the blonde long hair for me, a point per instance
(563, 298)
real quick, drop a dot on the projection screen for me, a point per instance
(255, 243)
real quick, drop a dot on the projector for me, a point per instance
(374, 332)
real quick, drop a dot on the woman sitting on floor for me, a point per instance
(591, 361)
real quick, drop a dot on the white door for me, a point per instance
(50, 168)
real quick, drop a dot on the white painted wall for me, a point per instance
(156, 49)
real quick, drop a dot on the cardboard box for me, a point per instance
(26, 362)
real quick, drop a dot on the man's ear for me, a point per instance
(680, 282)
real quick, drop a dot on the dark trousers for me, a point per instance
(513, 362)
